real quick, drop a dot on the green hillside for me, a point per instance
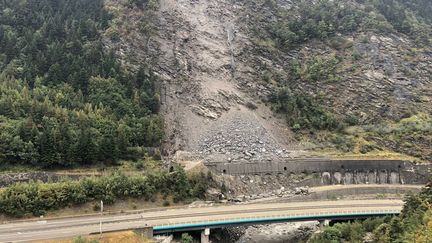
(65, 100)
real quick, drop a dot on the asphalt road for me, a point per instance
(75, 226)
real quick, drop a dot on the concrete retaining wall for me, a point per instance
(308, 166)
(9, 179)
(335, 171)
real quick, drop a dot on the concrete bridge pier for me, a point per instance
(146, 232)
(205, 235)
(323, 223)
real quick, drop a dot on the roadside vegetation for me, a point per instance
(413, 225)
(81, 239)
(117, 237)
(37, 198)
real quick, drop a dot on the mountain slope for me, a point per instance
(312, 67)
(206, 114)
(65, 100)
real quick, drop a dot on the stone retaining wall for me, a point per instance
(8, 179)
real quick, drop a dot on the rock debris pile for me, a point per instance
(283, 232)
(241, 139)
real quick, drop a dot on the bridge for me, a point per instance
(181, 219)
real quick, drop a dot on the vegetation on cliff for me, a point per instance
(290, 28)
(345, 74)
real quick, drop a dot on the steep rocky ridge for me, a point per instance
(206, 113)
(217, 75)
(353, 61)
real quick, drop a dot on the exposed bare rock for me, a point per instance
(194, 49)
(288, 232)
(205, 112)
(284, 232)
(212, 75)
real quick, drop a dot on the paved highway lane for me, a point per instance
(70, 227)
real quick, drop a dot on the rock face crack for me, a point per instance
(230, 39)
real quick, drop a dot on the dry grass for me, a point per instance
(115, 237)
(356, 155)
(374, 155)
(118, 207)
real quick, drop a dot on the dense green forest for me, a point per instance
(327, 18)
(414, 224)
(64, 98)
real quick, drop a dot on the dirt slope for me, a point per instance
(205, 110)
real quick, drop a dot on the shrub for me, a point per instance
(252, 106)
(296, 127)
(303, 110)
(186, 238)
(36, 198)
(364, 149)
(352, 120)
(96, 207)
(356, 56)
(139, 165)
(331, 235)
(343, 143)
(80, 239)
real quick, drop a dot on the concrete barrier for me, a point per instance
(335, 171)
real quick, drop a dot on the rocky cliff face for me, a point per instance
(377, 76)
(193, 51)
(220, 63)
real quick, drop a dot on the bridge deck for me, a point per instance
(179, 219)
